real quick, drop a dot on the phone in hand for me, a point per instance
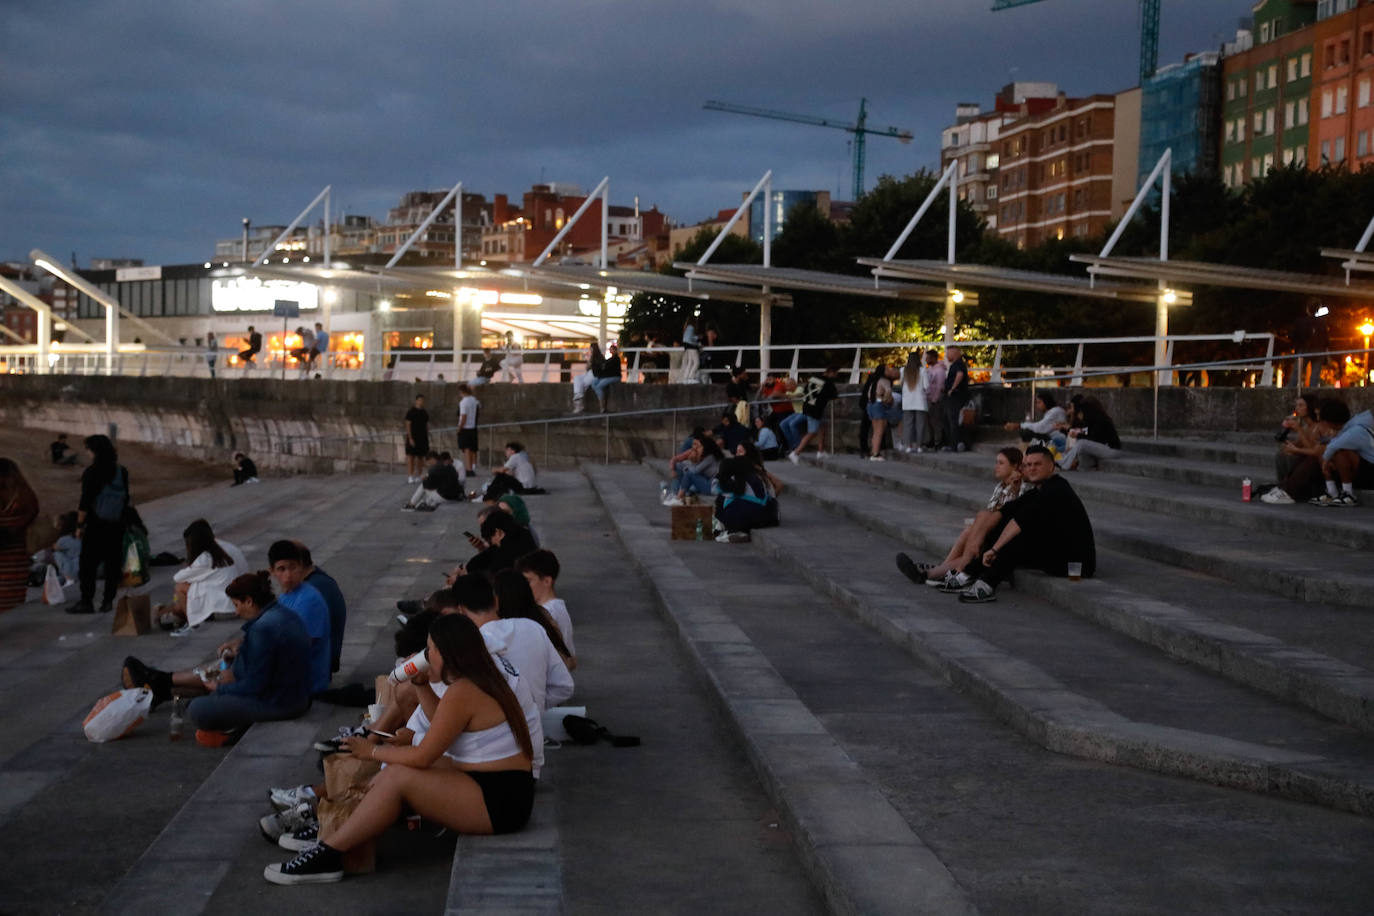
(469, 535)
(377, 731)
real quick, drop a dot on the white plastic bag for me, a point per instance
(53, 592)
(117, 714)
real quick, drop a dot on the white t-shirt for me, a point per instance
(522, 468)
(525, 644)
(914, 396)
(467, 410)
(534, 720)
(558, 610)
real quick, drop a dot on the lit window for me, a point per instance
(1342, 98)
(1362, 144)
(1326, 152)
(1290, 115)
(1338, 150)
(1292, 69)
(1363, 97)
(1326, 104)
(1273, 75)
(1302, 111)
(1307, 64)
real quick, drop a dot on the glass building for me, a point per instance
(782, 203)
(1180, 109)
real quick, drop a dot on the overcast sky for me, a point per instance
(148, 128)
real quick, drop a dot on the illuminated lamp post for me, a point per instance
(1366, 331)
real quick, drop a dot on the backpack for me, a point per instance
(112, 498)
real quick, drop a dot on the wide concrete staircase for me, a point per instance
(1191, 731)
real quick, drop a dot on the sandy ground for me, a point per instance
(152, 473)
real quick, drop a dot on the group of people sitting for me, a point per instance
(460, 743)
(1032, 520)
(1078, 435)
(745, 494)
(1324, 454)
(445, 480)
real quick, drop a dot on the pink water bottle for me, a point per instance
(1245, 489)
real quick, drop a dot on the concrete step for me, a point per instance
(1254, 451)
(993, 807)
(1321, 660)
(1241, 553)
(1191, 490)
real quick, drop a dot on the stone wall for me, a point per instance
(310, 426)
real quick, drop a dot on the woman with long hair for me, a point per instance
(18, 509)
(100, 515)
(696, 473)
(472, 771)
(915, 409)
(514, 598)
(691, 354)
(199, 590)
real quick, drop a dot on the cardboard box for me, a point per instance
(685, 520)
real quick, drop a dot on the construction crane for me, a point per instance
(859, 129)
(1149, 32)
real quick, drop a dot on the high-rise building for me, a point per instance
(781, 203)
(1068, 171)
(1180, 109)
(1267, 81)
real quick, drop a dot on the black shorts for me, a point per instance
(421, 447)
(467, 440)
(509, 797)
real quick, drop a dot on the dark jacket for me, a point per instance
(273, 663)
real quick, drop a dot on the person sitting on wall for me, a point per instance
(253, 349)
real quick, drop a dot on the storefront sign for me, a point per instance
(250, 294)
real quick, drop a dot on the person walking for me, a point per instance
(417, 439)
(18, 509)
(211, 351)
(100, 517)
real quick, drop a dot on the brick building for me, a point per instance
(519, 235)
(1343, 55)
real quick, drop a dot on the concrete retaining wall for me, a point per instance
(309, 426)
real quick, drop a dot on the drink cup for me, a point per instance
(407, 669)
(375, 712)
(1075, 572)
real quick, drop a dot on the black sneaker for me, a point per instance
(909, 569)
(302, 839)
(135, 674)
(317, 865)
(80, 607)
(410, 606)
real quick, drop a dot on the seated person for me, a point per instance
(515, 599)
(605, 374)
(1092, 437)
(245, 471)
(503, 540)
(289, 561)
(731, 431)
(269, 678)
(442, 482)
(1302, 440)
(198, 593)
(540, 570)
(1349, 460)
(695, 473)
(517, 475)
(66, 550)
(1053, 419)
(1046, 529)
(766, 440)
(472, 771)
(1006, 470)
(61, 452)
(748, 497)
(329, 590)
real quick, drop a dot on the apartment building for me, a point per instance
(1343, 55)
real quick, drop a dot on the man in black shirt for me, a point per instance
(816, 396)
(253, 349)
(417, 439)
(737, 389)
(955, 397)
(1047, 529)
(62, 453)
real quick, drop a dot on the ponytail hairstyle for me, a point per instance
(465, 654)
(253, 586)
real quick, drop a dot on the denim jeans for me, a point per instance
(222, 713)
(793, 428)
(691, 482)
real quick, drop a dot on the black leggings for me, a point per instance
(509, 797)
(102, 543)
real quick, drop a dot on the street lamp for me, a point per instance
(1367, 331)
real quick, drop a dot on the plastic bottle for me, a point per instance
(177, 728)
(1245, 489)
(663, 491)
(407, 669)
(699, 530)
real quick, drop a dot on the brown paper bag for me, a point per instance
(344, 772)
(361, 859)
(133, 616)
(685, 519)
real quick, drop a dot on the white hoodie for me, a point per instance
(525, 644)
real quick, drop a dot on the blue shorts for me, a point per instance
(876, 411)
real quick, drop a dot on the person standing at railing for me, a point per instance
(211, 351)
(468, 408)
(691, 354)
(514, 360)
(955, 397)
(818, 393)
(933, 378)
(321, 347)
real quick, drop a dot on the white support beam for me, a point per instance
(765, 181)
(45, 312)
(946, 179)
(1163, 166)
(267, 252)
(420, 229)
(567, 227)
(112, 307)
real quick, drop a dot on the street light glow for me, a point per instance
(1170, 297)
(956, 296)
(1366, 329)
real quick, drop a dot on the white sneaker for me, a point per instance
(1277, 497)
(876, 458)
(186, 630)
(978, 593)
(792, 457)
(820, 454)
(287, 799)
(674, 501)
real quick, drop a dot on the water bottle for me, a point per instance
(177, 729)
(409, 668)
(699, 531)
(1245, 489)
(663, 491)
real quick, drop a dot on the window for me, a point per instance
(1292, 69)
(1338, 150)
(1367, 42)
(1288, 157)
(1273, 76)
(1344, 56)
(1269, 120)
(1307, 64)
(1362, 144)
(1230, 97)
(1258, 129)
(1300, 154)
(1363, 97)
(1290, 115)
(1259, 80)
(1326, 104)
(1342, 99)
(1326, 152)
(1268, 164)
(1264, 32)
(992, 192)
(1255, 168)
(1230, 132)
(1330, 56)
(1302, 111)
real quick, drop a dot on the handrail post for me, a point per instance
(608, 440)
(1267, 377)
(996, 377)
(1077, 380)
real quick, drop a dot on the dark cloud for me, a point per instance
(146, 129)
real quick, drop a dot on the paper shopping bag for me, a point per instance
(133, 616)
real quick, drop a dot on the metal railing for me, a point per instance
(1004, 360)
